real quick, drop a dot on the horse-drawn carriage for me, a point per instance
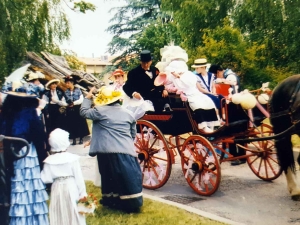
(163, 136)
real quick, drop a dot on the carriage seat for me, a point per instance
(222, 89)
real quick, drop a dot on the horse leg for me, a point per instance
(292, 184)
(286, 158)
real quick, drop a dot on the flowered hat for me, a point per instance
(51, 82)
(107, 95)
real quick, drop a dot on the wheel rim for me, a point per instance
(153, 155)
(265, 164)
(200, 165)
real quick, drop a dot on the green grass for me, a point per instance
(152, 213)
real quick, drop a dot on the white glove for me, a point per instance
(42, 103)
(54, 100)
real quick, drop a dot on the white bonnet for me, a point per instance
(177, 66)
(59, 140)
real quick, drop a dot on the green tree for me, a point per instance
(140, 25)
(193, 16)
(36, 25)
(276, 28)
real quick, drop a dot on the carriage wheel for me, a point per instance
(153, 155)
(200, 165)
(265, 164)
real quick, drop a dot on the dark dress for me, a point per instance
(139, 81)
(53, 117)
(74, 123)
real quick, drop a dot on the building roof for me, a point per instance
(97, 61)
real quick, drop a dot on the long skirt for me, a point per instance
(121, 180)
(75, 124)
(28, 195)
(63, 203)
(55, 118)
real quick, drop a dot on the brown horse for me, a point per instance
(285, 117)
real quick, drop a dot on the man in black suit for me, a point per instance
(140, 83)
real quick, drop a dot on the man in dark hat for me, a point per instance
(140, 82)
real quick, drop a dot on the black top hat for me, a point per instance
(145, 56)
(215, 68)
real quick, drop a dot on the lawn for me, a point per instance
(152, 213)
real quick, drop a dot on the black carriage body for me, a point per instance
(181, 119)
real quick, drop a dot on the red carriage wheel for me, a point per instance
(264, 164)
(200, 165)
(153, 155)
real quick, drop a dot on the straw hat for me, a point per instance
(51, 82)
(200, 63)
(107, 95)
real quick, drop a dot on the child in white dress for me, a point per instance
(63, 170)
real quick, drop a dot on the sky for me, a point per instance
(88, 35)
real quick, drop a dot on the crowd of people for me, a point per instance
(47, 117)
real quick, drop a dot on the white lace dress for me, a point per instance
(63, 170)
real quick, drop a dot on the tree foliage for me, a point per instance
(35, 25)
(140, 25)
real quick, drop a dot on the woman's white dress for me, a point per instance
(63, 170)
(187, 83)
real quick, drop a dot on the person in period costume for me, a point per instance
(140, 83)
(118, 77)
(20, 118)
(186, 82)
(121, 176)
(206, 84)
(74, 124)
(225, 76)
(56, 106)
(63, 170)
(33, 79)
(221, 77)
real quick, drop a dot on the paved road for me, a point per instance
(242, 197)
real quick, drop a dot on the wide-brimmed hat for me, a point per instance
(117, 72)
(145, 56)
(51, 82)
(16, 86)
(107, 95)
(33, 76)
(200, 63)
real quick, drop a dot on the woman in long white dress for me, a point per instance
(63, 170)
